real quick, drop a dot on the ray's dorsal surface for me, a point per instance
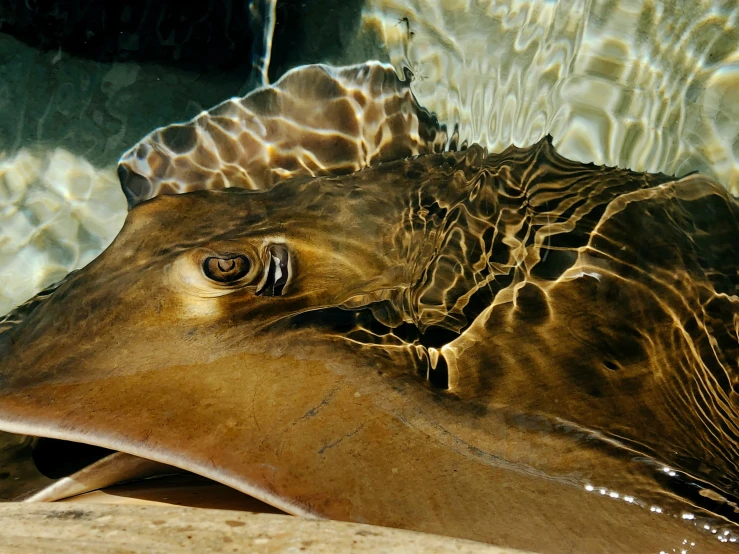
(453, 343)
(316, 120)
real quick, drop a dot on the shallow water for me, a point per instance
(651, 86)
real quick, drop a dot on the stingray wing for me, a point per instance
(634, 338)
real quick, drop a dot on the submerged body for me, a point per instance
(456, 343)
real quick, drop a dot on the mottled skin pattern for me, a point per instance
(316, 120)
(463, 342)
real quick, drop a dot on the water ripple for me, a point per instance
(644, 85)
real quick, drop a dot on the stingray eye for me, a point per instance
(227, 269)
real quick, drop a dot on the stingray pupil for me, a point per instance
(226, 265)
(225, 270)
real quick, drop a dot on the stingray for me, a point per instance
(346, 314)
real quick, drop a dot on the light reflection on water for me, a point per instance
(639, 84)
(722, 535)
(57, 212)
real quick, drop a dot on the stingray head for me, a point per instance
(208, 336)
(201, 273)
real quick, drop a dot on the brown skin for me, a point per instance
(154, 270)
(294, 398)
